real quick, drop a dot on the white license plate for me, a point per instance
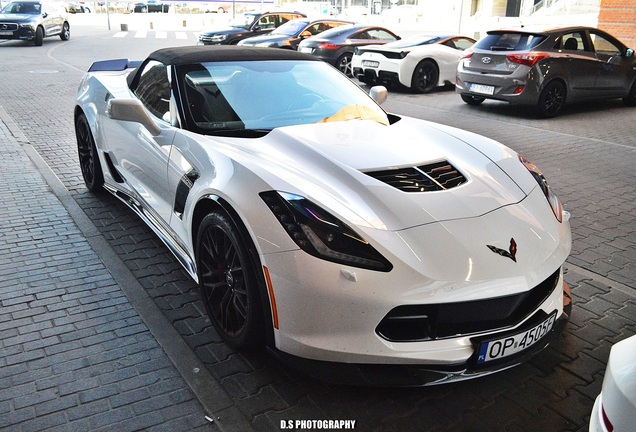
(484, 89)
(307, 50)
(370, 63)
(504, 347)
(6, 33)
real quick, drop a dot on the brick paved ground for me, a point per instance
(588, 155)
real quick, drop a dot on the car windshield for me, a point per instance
(290, 28)
(260, 96)
(413, 41)
(243, 21)
(29, 8)
(510, 41)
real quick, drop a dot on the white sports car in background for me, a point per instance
(420, 63)
(615, 408)
(315, 223)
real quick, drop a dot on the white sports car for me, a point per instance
(342, 237)
(420, 63)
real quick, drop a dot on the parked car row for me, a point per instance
(545, 69)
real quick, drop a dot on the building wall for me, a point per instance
(618, 17)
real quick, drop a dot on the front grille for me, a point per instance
(8, 27)
(434, 176)
(411, 323)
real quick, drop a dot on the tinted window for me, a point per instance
(153, 89)
(512, 41)
(378, 34)
(463, 43)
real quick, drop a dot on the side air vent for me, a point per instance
(431, 177)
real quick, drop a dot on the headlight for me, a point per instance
(319, 233)
(554, 201)
(218, 38)
(27, 26)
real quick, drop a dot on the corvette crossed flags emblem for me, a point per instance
(510, 253)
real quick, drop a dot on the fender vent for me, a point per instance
(431, 177)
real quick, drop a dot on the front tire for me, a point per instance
(88, 156)
(472, 100)
(425, 77)
(66, 32)
(39, 36)
(229, 282)
(344, 64)
(630, 99)
(551, 100)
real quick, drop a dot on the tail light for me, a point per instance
(466, 54)
(328, 46)
(529, 59)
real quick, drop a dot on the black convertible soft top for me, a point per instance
(222, 53)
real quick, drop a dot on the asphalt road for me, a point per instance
(588, 154)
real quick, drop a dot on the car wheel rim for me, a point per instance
(223, 281)
(425, 76)
(86, 151)
(554, 100)
(345, 66)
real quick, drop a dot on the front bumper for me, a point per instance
(23, 33)
(417, 375)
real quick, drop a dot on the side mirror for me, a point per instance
(133, 111)
(305, 34)
(629, 52)
(379, 94)
(257, 28)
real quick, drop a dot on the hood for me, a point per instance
(227, 30)
(266, 38)
(336, 165)
(18, 18)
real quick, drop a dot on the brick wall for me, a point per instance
(618, 17)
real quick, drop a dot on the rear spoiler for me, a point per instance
(114, 65)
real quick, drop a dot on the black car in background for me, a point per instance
(33, 21)
(336, 46)
(292, 32)
(547, 69)
(247, 25)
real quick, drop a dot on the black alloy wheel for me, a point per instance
(425, 77)
(344, 64)
(472, 100)
(229, 282)
(551, 100)
(88, 157)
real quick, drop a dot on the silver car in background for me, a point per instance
(547, 69)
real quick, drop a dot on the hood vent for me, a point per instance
(431, 177)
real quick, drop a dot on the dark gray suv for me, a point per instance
(33, 21)
(547, 69)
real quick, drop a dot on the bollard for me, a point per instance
(124, 27)
(184, 23)
(150, 25)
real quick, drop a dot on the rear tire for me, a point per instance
(630, 99)
(66, 32)
(88, 156)
(228, 279)
(425, 77)
(551, 100)
(472, 100)
(39, 36)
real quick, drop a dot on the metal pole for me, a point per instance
(107, 14)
